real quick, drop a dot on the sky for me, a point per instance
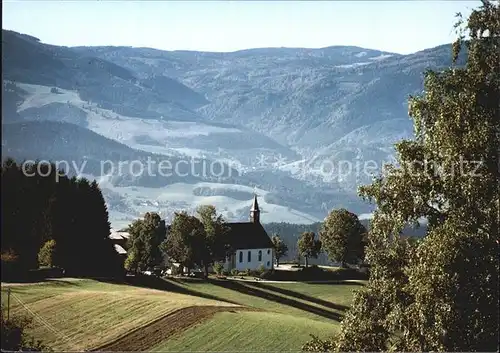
(395, 26)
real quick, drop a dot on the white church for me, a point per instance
(253, 246)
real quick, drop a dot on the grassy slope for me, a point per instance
(294, 311)
(248, 331)
(88, 313)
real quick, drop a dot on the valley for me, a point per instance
(290, 123)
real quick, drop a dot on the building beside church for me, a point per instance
(253, 247)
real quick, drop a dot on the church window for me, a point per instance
(249, 256)
(241, 256)
(260, 255)
(268, 264)
(268, 251)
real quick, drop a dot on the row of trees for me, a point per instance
(201, 240)
(342, 237)
(441, 293)
(198, 240)
(50, 219)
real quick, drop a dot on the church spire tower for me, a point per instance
(255, 211)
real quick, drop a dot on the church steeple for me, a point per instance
(255, 211)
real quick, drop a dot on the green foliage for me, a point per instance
(279, 248)
(342, 237)
(261, 269)
(318, 345)
(9, 264)
(146, 235)
(441, 293)
(218, 268)
(289, 234)
(185, 242)
(14, 336)
(216, 245)
(234, 272)
(48, 253)
(46, 204)
(201, 241)
(308, 246)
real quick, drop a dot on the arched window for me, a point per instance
(268, 251)
(241, 256)
(260, 255)
(249, 256)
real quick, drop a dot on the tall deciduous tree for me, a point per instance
(342, 237)
(146, 236)
(308, 246)
(440, 294)
(279, 247)
(216, 242)
(185, 242)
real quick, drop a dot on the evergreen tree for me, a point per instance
(39, 204)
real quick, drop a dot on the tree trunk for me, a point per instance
(306, 262)
(206, 270)
(343, 264)
(277, 262)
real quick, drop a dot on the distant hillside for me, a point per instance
(57, 141)
(301, 125)
(25, 59)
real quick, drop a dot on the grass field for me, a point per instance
(86, 314)
(247, 331)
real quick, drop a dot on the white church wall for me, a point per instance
(252, 261)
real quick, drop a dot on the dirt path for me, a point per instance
(148, 336)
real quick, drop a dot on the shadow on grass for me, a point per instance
(167, 285)
(301, 296)
(313, 274)
(241, 288)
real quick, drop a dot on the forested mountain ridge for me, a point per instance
(276, 115)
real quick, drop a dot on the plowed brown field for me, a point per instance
(146, 337)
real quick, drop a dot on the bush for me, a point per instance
(47, 254)
(318, 345)
(10, 265)
(218, 268)
(261, 270)
(14, 337)
(234, 272)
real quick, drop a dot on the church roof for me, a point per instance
(255, 204)
(248, 235)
